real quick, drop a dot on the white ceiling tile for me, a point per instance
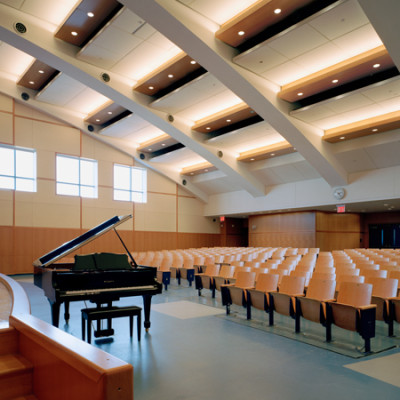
(285, 73)
(384, 90)
(340, 20)
(117, 41)
(128, 21)
(13, 61)
(53, 12)
(348, 103)
(313, 113)
(355, 160)
(260, 59)
(125, 127)
(319, 58)
(298, 41)
(219, 11)
(385, 155)
(87, 101)
(358, 41)
(61, 90)
(96, 55)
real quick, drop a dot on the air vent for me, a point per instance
(20, 27)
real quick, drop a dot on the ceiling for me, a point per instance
(171, 83)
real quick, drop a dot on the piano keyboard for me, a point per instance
(102, 290)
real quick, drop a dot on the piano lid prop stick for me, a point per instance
(123, 244)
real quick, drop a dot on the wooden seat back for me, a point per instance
(267, 282)
(292, 285)
(355, 294)
(321, 289)
(245, 279)
(383, 287)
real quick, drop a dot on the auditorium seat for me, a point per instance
(353, 311)
(257, 297)
(313, 306)
(237, 293)
(283, 301)
(205, 280)
(382, 291)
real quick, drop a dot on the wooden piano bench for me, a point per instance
(108, 313)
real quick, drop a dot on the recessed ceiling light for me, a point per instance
(272, 154)
(342, 137)
(277, 11)
(151, 87)
(300, 94)
(206, 170)
(192, 173)
(31, 82)
(335, 81)
(90, 14)
(228, 120)
(97, 120)
(375, 130)
(149, 149)
(376, 65)
(193, 62)
(252, 159)
(163, 144)
(73, 33)
(170, 76)
(241, 33)
(109, 112)
(208, 128)
(41, 71)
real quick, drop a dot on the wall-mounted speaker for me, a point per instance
(20, 27)
(25, 96)
(90, 128)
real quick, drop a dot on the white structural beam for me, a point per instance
(40, 43)
(194, 34)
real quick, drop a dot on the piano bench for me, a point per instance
(99, 313)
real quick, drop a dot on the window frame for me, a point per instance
(131, 190)
(77, 184)
(20, 178)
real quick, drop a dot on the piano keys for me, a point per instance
(100, 277)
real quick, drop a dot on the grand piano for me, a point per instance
(100, 277)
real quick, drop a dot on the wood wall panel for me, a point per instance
(337, 231)
(328, 241)
(282, 230)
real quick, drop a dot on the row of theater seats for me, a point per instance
(349, 288)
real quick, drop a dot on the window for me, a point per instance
(76, 176)
(17, 169)
(130, 184)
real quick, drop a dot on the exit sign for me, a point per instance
(341, 209)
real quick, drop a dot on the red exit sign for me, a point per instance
(341, 209)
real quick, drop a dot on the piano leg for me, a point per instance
(55, 312)
(146, 308)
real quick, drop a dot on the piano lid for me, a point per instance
(80, 241)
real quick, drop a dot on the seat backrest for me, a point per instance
(324, 275)
(211, 269)
(321, 289)
(227, 271)
(348, 278)
(267, 282)
(292, 285)
(383, 287)
(374, 273)
(395, 275)
(355, 294)
(245, 279)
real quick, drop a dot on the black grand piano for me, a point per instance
(100, 277)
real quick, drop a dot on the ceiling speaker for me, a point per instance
(20, 27)
(25, 96)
